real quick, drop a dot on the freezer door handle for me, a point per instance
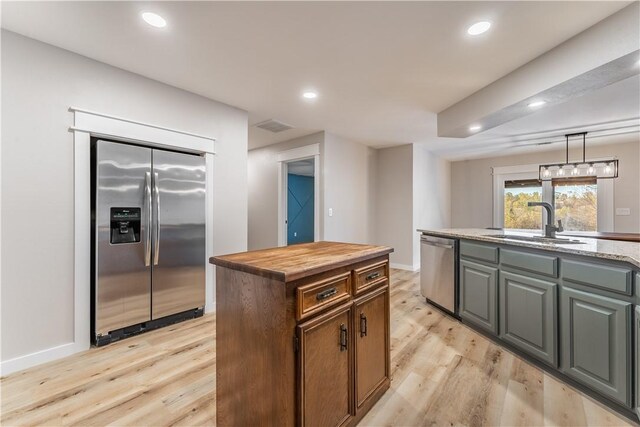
(156, 252)
(147, 202)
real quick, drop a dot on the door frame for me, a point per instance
(311, 151)
(87, 124)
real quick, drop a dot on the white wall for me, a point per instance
(349, 174)
(263, 190)
(394, 211)
(39, 84)
(472, 184)
(431, 195)
(347, 185)
(413, 192)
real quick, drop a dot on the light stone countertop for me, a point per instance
(599, 248)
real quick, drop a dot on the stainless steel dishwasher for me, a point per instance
(438, 272)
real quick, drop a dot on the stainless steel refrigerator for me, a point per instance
(149, 238)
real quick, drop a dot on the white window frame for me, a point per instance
(311, 151)
(606, 207)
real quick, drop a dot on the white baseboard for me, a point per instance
(404, 267)
(27, 361)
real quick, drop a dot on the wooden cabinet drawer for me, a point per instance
(547, 265)
(606, 277)
(479, 251)
(314, 297)
(370, 276)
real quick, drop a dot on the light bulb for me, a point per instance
(154, 19)
(535, 104)
(575, 170)
(607, 169)
(561, 171)
(546, 172)
(479, 28)
(591, 168)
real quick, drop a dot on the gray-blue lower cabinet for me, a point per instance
(528, 315)
(596, 342)
(638, 357)
(479, 295)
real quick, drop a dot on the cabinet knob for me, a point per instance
(373, 276)
(343, 337)
(363, 325)
(326, 294)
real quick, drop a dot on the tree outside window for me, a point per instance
(516, 212)
(576, 204)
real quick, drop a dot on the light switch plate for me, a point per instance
(623, 211)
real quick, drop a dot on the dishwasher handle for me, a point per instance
(431, 243)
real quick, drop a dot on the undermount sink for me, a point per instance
(536, 239)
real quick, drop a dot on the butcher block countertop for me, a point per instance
(294, 262)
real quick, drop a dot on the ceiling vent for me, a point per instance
(273, 126)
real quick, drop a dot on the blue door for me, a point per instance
(299, 209)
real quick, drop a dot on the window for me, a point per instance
(576, 204)
(582, 204)
(517, 194)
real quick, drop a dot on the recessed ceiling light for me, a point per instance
(474, 128)
(479, 28)
(154, 20)
(309, 94)
(535, 104)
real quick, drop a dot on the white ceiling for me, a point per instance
(382, 69)
(611, 115)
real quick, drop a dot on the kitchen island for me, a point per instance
(617, 250)
(570, 306)
(302, 335)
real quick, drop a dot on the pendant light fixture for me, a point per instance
(597, 169)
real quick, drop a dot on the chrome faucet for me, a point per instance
(550, 228)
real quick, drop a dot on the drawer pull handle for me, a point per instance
(343, 337)
(363, 325)
(326, 294)
(373, 275)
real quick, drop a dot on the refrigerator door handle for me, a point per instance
(147, 201)
(156, 254)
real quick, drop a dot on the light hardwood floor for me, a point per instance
(443, 373)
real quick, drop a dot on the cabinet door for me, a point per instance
(638, 356)
(372, 343)
(326, 368)
(528, 317)
(596, 343)
(478, 295)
